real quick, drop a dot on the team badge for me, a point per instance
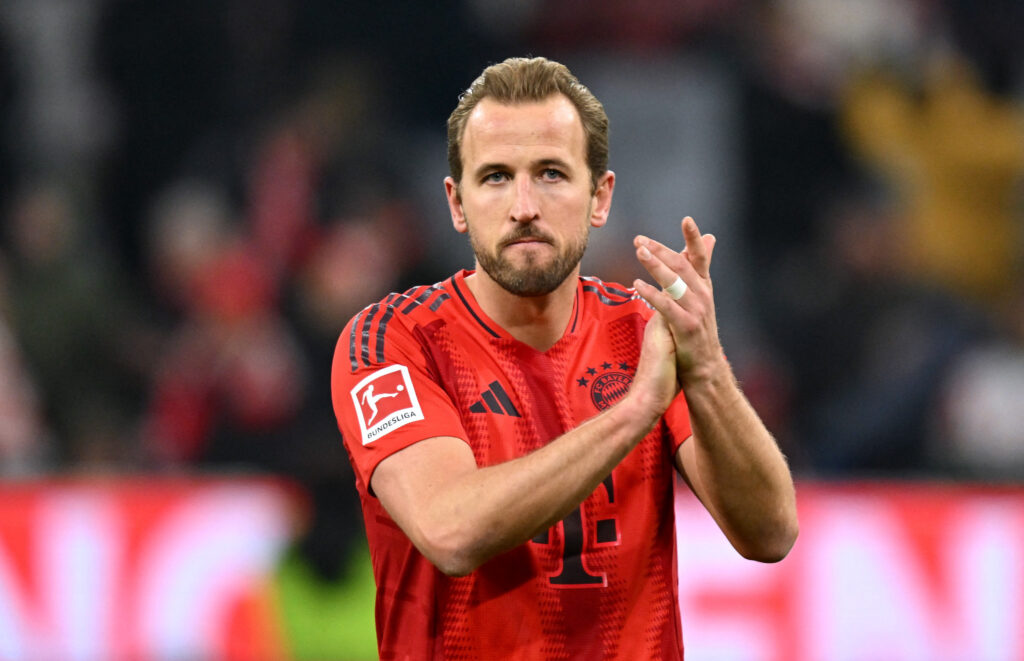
(608, 383)
(385, 401)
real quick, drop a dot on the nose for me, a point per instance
(524, 204)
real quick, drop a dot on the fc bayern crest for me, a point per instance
(607, 384)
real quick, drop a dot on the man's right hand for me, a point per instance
(654, 385)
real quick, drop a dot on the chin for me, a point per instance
(531, 282)
(531, 273)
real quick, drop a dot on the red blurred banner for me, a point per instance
(139, 568)
(880, 572)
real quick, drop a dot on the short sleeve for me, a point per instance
(677, 421)
(386, 404)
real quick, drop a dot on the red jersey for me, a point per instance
(599, 585)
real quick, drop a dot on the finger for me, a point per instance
(697, 250)
(662, 273)
(662, 302)
(660, 334)
(675, 261)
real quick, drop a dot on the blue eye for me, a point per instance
(552, 174)
(495, 178)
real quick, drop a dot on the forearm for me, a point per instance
(738, 469)
(731, 461)
(479, 513)
(460, 515)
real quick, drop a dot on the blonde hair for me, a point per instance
(518, 80)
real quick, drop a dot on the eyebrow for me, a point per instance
(502, 167)
(489, 167)
(557, 162)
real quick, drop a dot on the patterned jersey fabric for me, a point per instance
(601, 584)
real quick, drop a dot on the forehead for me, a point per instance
(499, 131)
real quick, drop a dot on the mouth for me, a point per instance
(524, 240)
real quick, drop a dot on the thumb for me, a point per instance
(657, 336)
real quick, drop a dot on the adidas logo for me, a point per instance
(495, 400)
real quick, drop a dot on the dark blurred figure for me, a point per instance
(232, 388)
(194, 79)
(25, 439)
(624, 26)
(988, 34)
(73, 314)
(792, 153)
(423, 50)
(258, 293)
(8, 90)
(979, 421)
(868, 344)
(166, 66)
(230, 376)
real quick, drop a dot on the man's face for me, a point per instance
(526, 197)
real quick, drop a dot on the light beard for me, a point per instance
(533, 279)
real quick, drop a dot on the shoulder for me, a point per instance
(415, 305)
(394, 318)
(611, 299)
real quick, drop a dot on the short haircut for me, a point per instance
(522, 80)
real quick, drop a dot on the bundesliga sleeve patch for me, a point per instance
(385, 401)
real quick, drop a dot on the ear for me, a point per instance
(601, 203)
(451, 191)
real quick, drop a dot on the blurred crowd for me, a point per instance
(197, 195)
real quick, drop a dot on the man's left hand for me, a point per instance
(691, 316)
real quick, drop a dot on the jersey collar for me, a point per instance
(491, 327)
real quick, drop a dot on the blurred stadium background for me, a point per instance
(196, 195)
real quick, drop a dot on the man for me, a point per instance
(518, 488)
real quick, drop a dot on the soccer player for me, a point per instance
(515, 429)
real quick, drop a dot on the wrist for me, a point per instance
(708, 378)
(640, 411)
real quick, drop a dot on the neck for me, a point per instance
(537, 321)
